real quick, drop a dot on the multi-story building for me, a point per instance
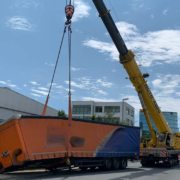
(12, 103)
(121, 111)
(171, 118)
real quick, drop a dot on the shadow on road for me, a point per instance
(133, 172)
(79, 173)
(149, 171)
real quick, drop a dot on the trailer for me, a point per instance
(42, 141)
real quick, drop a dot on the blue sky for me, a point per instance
(31, 32)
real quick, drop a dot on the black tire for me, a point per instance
(123, 163)
(93, 168)
(108, 163)
(52, 170)
(144, 162)
(116, 163)
(83, 168)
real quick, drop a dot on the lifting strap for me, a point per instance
(69, 10)
(45, 106)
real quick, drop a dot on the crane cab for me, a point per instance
(164, 139)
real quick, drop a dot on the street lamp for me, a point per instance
(125, 99)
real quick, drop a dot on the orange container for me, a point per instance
(27, 139)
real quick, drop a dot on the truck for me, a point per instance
(165, 146)
(45, 141)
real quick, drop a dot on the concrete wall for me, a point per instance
(12, 103)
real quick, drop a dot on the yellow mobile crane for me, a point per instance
(166, 145)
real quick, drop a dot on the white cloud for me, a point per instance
(89, 83)
(104, 83)
(43, 88)
(113, 70)
(82, 10)
(36, 95)
(72, 90)
(19, 23)
(77, 30)
(152, 16)
(130, 86)
(76, 69)
(168, 84)
(137, 4)
(12, 85)
(98, 99)
(53, 84)
(165, 11)
(8, 84)
(25, 4)
(102, 92)
(152, 48)
(34, 83)
(81, 86)
(25, 85)
(50, 64)
(40, 92)
(3, 82)
(59, 87)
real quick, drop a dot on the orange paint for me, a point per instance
(45, 138)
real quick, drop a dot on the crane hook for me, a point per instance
(69, 10)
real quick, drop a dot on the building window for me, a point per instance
(131, 123)
(81, 109)
(98, 109)
(127, 120)
(127, 110)
(112, 109)
(132, 113)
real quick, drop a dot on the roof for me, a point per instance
(15, 101)
(25, 96)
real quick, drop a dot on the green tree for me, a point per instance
(109, 116)
(145, 137)
(124, 122)
(62, 113)
(99, 118)
(93, 118)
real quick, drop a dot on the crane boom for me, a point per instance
(136, 77)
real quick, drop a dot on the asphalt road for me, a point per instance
(134, 171)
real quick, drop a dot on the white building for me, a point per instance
(12, 103)
(86, 109)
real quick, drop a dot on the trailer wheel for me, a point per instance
(108, 163)
(83, 168)
(52, 170)
(116, 163)
(123, 163)
(93, 168)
